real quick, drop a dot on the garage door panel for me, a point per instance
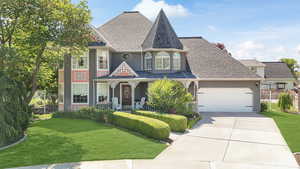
(225, 100)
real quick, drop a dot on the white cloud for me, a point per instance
(261, 51)
(150, 8)
(298, 49)
(212, 28)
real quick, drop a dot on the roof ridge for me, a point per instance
(190, 37)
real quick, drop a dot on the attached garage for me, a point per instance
(225, 96)
(225, 100)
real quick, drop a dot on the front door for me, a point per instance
(126, 94)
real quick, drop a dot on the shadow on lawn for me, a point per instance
(41, 149)
(71, 125)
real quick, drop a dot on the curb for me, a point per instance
(15, 143)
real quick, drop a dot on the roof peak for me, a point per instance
(131, 12)
(162, 34)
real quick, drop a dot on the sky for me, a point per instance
(266, 30)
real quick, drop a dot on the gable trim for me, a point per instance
(120, 66)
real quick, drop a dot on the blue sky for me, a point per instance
(262, 29)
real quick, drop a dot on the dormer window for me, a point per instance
(162, 61)
(148, 61)
(176, 61)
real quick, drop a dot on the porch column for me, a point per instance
(133, 86)
(113, 85)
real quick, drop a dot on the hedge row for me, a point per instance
(90, 113)
(176, 122)
(150, 127)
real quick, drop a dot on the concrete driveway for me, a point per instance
(233, 141)
(219, 141)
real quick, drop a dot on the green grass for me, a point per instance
(289, 125)
(70, 140)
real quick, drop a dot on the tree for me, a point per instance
(285, 101)
(292, 64)
(42, 32)
(168, 96)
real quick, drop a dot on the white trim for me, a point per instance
(229, 79)
(88, 62)
(123, 63)
(107, 59)
(101, 36)
(72, 93)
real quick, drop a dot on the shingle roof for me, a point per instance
(162, 35)
(208, 62)
(277, 70)
(252, 62)
(127, 31)
(143, 74)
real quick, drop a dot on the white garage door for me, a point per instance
(225, 100)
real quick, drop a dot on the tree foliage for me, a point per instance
(292, 64)
(41, 31)
(168, 96)
(285, 101)
(34, 37)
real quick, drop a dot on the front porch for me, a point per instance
(127, 94)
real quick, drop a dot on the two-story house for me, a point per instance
(130, 52)
(277, 75)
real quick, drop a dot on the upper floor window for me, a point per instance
(176, 61)
(80, 62)
(162, 61)
(102, 56)
(148, 61)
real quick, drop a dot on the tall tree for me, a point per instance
(41, 32)
(292, 64)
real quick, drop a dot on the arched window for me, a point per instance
(176, 61)
(162, 61)
(148, 61)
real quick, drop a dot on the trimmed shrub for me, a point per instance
(90, 113)
(285, 101)
(150, 127)
(263, 107)
(168, 96)
(176, 122)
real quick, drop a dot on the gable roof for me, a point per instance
(162, 35)
(252, 63)
(127, 31)
(209, 62)
(277, 70)
(124, 70)
(98, 38)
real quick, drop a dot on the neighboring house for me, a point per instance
(277, 75)
(130, 52)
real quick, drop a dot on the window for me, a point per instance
(102, 92)
(176, 61)
(102, 59)
(162, 61)
(80, 62)
(148, 61)
(280, 85)
(80, 92)
(60, 93)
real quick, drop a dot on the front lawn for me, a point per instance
(72, 140)
(289, 125)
